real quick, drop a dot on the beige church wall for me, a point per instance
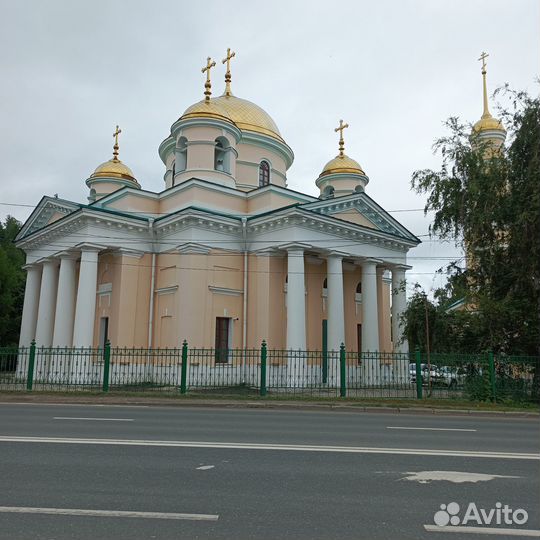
(246, 174)
(268, 201)
(166, 300)
(314, 279)
(105, 188)
(133, 293)
(197, 196)
(353, 313)
(277, 329)
(266, 301)
(134, 203)
(107, 304)
(354, 216)
(199, 156)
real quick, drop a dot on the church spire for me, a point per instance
(228, 72)
(482, 58)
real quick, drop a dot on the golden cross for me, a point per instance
(115, 147)
(228, 72)
(207, 85)
(228, 58)
(341, 127)
(483, 57)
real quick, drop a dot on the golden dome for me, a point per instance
(243, 113)
(342, 164)
(113, 168)
(487, 122)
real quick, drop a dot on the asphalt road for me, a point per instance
(257, 473)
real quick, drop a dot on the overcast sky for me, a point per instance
(394, 70)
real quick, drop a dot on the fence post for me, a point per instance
(262, 391)
(106, 365)
(418, 362)
(183, 375)
(342, 372)
(31, 363)
(492, 380)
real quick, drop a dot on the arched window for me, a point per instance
(328, 192)
(358, 294)
(264, 173)
(180, 161)
(222, 155)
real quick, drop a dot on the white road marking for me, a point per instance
(205, 467)
(483, 530)
(425, 477)
(106, 513)
(429, 428)
(287, 447)
(93, 419)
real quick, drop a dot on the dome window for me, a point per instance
(264, 173)
(222, 155)
(328, 192)
(180, 162)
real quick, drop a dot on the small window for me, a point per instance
(222, 155)
(264, 173)
(180, 162)
(358, 294)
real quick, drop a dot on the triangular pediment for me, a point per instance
(49, 210)
(360, 209)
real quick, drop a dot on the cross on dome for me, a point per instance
(116, 147)
(227, 59)
(341, 127)
(207, 85)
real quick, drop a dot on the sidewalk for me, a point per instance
(380, 405)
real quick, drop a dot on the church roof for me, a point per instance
(243, 113)
(342, 164)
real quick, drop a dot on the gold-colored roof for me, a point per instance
(243, 113)
(113, 168)
(342, 164)
(487, 122)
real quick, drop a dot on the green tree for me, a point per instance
(12, 280)
(489, 203)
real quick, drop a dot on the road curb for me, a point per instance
(246, 404)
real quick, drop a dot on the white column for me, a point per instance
(336, 313)
(399, 304)
(370, 316)
(47, 303)
(30, 305)
(85, 309)
(296, 300)
(65, 301)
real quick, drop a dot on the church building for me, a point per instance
(226, 256)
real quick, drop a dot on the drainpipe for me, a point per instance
(245, 292)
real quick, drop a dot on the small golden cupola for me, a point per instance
(488, 129)
(341, 175)
(111, 175)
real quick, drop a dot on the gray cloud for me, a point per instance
(393, 70)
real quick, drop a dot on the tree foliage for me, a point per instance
(489, 203)
(12, 280)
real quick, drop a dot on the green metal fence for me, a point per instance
(263, 371)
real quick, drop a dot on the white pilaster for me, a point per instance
(85, 309)
(65, 301)
(336, 313)
(30, 305)
(47, 303)
(370, 316)
(399, 304)
(296, 299)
